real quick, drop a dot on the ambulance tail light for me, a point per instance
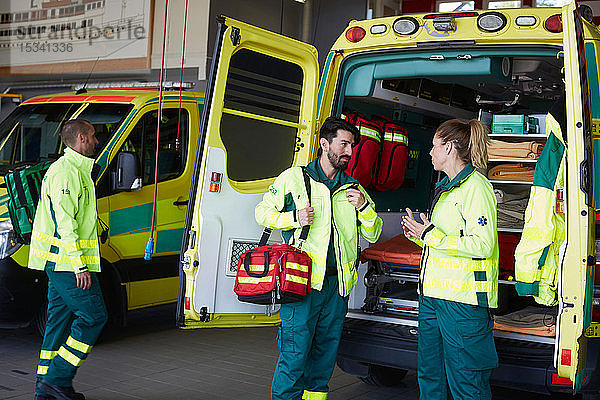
(355, 34)
(405, 26)
(491, 21)
(554, 24)
(557, 380)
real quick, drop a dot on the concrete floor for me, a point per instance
(152, 360)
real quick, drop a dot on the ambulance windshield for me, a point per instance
(31, 132)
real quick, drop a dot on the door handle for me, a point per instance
(180, 203)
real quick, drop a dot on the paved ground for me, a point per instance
(152, 360)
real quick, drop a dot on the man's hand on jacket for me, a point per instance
(84, 280)
(306, 216)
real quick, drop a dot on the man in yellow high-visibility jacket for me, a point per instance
(64, 243)
(338, 209)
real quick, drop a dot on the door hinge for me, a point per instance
(204, 315)
(236, 38)
(593, 330)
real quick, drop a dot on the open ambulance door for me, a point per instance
(576, 273)
(258, 120)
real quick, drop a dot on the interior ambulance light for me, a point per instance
(491, 21)
(526, 21)
(378, 29)
(554, 23)
(444, 24)
(355, 34)
(405, 26)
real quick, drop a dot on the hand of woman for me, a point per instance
(412, 227)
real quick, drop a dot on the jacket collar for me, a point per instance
(79, 160)
(315, 171)
(447, 184)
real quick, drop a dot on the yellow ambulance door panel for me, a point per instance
(155, 281)
(258, 120)
(577, 267)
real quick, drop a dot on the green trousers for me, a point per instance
(456, 350)
(75, 319)
(308, 341)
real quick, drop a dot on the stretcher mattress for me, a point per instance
(397, 250)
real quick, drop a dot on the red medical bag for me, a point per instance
(363, 162)
(394, 153)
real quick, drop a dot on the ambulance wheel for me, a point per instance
(384, 376)
(39, 319)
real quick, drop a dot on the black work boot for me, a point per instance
(57, 392)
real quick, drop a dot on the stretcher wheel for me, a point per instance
(384, 376)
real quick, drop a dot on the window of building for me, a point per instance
(494, 5)
(550, 3)
(261, 86)
(450, 6)
(172, 148)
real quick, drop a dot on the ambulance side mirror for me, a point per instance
(126, 176)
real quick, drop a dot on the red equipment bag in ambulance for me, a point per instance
(277, 273)
(364, 155)
(394, 154)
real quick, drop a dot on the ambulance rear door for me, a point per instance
(576, 274)
(258, 120)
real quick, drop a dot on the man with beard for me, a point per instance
(64, 243)
(338, 209)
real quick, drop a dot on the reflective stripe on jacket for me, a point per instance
(536, 255)
(273, 212)
(64, 229)
(460, 254)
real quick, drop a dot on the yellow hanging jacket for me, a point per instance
(288, 193)
(460, 247)
(536, 255)
(64, 230)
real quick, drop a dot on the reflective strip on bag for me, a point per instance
(42, 369)
(47, 354)
(77, 345)
(296, 279)
(372, 133)
(70, 357)
(259, 268)
(296, 266)
(254, 281)
(396, 137)
(458, 286)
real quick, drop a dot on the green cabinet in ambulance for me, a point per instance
(263, 108)
(125, 121)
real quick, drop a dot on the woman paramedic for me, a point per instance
(459, 268)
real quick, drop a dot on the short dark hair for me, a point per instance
(71, 128)
(332, 125)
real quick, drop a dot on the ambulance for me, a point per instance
(264, 105)
(125, 121)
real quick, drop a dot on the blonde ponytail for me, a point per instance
(478, 144)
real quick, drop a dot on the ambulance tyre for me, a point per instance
(39, 319)
(384, 376)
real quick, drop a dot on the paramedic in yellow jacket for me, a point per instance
(64, 243)
(459, 269)
(536, 255)
(339, 209)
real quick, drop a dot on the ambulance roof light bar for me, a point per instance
(134, 85)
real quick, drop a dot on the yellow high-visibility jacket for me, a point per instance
(536, 255)
(460, 247)
(64, 230)
(288, 193)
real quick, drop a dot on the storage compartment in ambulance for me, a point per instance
(397, 100)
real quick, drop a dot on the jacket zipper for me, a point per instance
(338, 256)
